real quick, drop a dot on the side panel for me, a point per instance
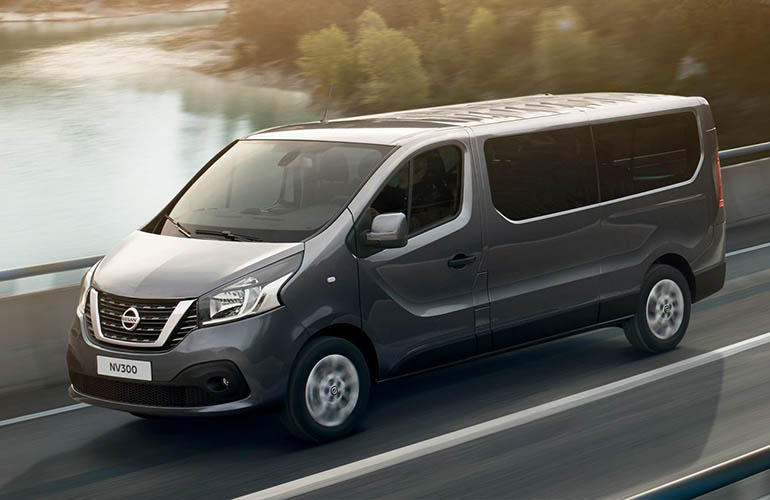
(542, 274)
(636, 231)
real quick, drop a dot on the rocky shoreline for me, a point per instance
(210, 50)
(21, 12)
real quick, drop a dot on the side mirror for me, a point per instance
(388, 231)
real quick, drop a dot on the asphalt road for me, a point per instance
(614, 447)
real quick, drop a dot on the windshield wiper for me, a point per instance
(227, 234)
(179, 226)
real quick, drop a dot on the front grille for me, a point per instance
(136, 393)
(154, 314)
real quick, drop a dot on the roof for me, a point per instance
(392, 127)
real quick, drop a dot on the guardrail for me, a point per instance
(50, 268)
(745, 150)
(713, 478)
(70, 265)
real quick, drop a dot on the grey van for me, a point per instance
(304, 263)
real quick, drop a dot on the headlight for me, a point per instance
(85, 287)
(252, 294)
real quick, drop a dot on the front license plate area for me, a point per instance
(124, 368)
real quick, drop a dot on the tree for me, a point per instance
(272, 28)
(328, 59)
(393, 74)
(370, 20)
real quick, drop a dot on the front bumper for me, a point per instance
(254, 354)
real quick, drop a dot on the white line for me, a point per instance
(749, 249)
(451, 439)
(42, 414)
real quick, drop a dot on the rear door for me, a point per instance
(417, 302)
(542, 231)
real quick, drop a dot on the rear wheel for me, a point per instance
(663, 311)
(328, 390)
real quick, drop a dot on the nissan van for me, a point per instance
(305, 263)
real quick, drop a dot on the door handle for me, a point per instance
(461, 260)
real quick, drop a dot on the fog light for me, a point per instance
(218, 384)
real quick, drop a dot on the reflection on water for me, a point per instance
(99, 128)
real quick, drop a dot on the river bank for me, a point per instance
(65, 11)
(102, 126)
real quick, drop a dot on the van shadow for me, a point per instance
(254, 449)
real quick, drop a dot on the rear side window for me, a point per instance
(635, 156)
(537, 174)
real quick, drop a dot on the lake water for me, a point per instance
(99, 127)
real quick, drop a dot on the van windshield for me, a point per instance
(277, 191)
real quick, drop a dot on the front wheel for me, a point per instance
(328, 390)
(663, 311)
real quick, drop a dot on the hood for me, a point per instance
(146, 265)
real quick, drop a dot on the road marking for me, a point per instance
(429, 446)
(41, 414)
(749, 249)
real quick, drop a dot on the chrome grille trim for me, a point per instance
(176, 315)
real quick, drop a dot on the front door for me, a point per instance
(417, 302)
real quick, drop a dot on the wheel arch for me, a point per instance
(680, 264)
(358, 338)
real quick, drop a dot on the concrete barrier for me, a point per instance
(33, 326)
(33, 338)
(747, 191)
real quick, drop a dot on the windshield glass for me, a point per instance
(278, 191)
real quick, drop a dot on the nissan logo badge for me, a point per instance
(130, 319)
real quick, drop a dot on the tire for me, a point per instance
(662, 313)
(328, 390)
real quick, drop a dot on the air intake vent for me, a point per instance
(140, 394)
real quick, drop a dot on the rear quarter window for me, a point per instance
(643, 154)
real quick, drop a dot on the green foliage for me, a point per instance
(387, 54)
(328, 60)
(392, 72)
(369, 20)
(383, 67)
(273, 28)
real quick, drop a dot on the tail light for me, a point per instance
(719, 181)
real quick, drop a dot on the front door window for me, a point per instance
(426, 189)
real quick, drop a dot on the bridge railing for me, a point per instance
(49, 268)
(753, 149)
